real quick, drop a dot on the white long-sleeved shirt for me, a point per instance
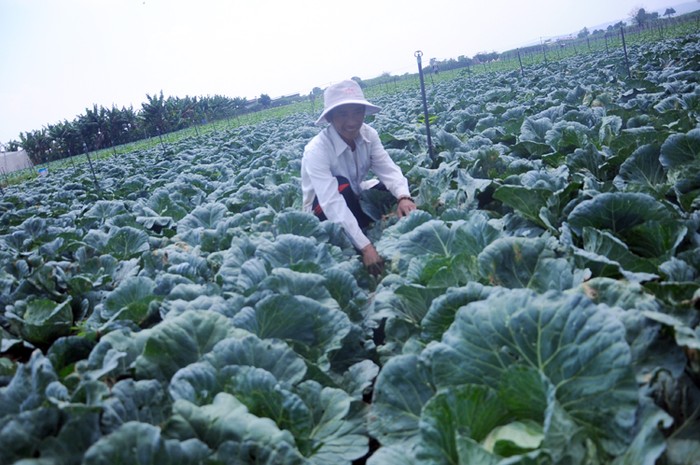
(327, 155)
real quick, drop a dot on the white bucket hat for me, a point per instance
(343, 93)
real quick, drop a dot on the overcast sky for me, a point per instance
(59, 57)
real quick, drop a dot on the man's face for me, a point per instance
(347, 120)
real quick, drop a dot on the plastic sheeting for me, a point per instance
(13, 161)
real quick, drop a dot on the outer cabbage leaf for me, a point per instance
(344, 289)
(179, 341)
(642, 172)
(312, 329)
(79, 429)
(388, 244)
(649, 443)
(517, 262)
(284, 281)
(130, 300)
(296, 253)
(525, 200)
(29, 427)
(236, 436)
(403, 386)
(126, 242)
(339, 433)
(535, 129)
(42, 320)
(243, 278)
(204, 219)
(142, 401)
(403, 307)
(607, 256)
(648, 227)
(680, 155)
(393, 455)
(21, 435)
(149, 219)
(198, 383)
(102, 362)
(103, 210)
(610, 128)
(471, 188)
(299, 223)
(326, 423)
(271, 355)
(120, 345)
(165, 205)
(204, 216)
(142, 443)
(455, 420)
(567, 136)
(443, 308)
(409, 302)
(264, 396)
(439, 253)
(681, 149)
(26, 390)
(578, 346)
(618, 212)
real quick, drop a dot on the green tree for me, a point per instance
(37, 144)
(66, 139)
(120, 126)
(93, 127)
(239, 104)
(13, 146)
(669, 12)
(154, 114)
(642, 19)
(265, 100)
(639, 17)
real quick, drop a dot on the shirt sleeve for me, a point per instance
(325, 185)
(384, 167)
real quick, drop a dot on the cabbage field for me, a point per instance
(541, 307)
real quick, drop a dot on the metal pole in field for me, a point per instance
(92, 168)
(520, 60)
(418, 54)
(2, 150)
(544, 51)
(624, 47)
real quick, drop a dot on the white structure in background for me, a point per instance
(13, 161)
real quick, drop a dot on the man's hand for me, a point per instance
(372, 260)
(405, 207)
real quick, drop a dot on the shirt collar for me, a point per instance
(339, 145)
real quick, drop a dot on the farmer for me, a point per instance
(336, 163)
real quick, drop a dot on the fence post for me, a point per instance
(418, 54)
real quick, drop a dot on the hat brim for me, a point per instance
(369, 109)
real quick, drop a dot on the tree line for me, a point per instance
(101, 127)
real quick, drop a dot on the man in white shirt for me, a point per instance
(336, 163)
